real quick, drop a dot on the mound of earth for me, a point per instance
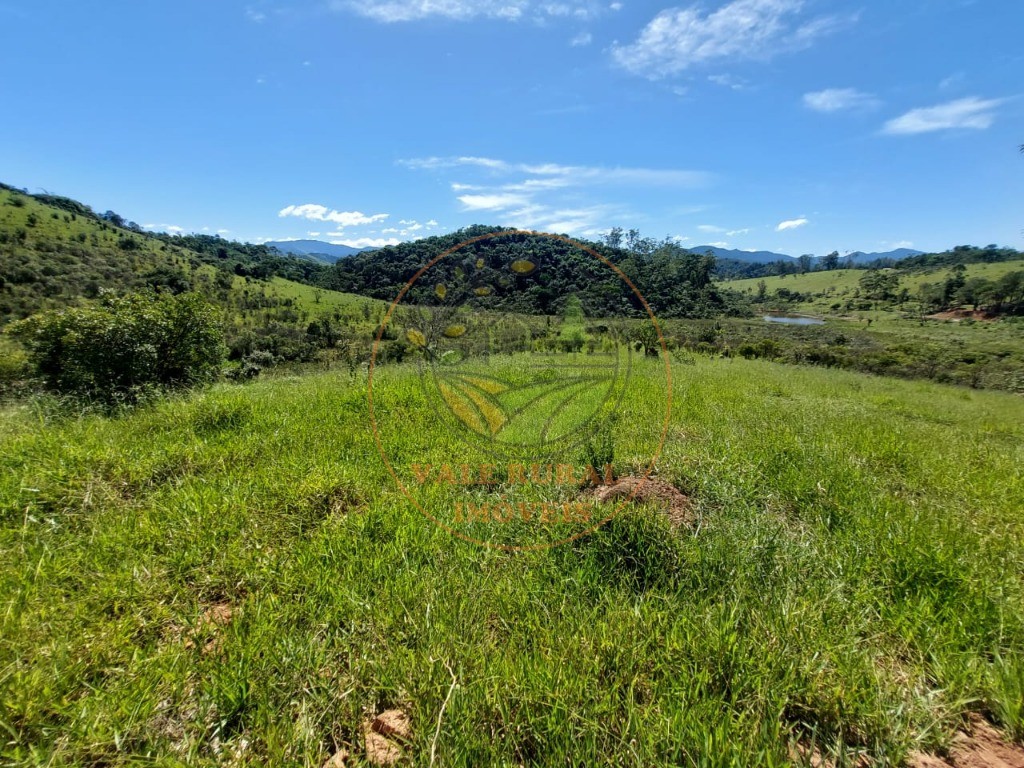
(981, 746)
(962, 314)
(674, 504)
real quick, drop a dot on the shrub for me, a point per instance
(14, 367)
(117, 351)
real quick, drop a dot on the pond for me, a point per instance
(791, 320)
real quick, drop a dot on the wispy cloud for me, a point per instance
(582, 39)
(839, 99)
(710, 228)
(393, 11)
(169, 228)
(497, 202)
(977, 114)
(314, 212)
(548, 196)
(551, 175)
(727, 81)
(679, 38)
(791, 224)
(367, 242)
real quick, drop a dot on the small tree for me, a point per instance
(646, 335)
(118, 350)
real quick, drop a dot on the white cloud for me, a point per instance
(548, 196)
(491, 202)
(582, 39)
(545, 218)
(436, 163)
(367, 242)
(678, 38)
(838, 99)
(727, 81)
(314, 212)
(392, 11)
(223, 231)
(169, 228)
(710, 228)
(953, 81)
(791, 224)
(971, 113)
(556, 175)
(254, 15)
(719, 244)
(735, 232)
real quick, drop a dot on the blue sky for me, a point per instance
(800, 126)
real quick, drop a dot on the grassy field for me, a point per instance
(841, 282)
(233, 578)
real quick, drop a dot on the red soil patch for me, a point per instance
(381, 734)
(981, 746)
(962, 314)
(675, 505)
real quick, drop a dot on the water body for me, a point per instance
(793, 320)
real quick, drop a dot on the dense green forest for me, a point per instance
(674, 282)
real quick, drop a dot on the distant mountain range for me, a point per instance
(316, 250)
(765, 257)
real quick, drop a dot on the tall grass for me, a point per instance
(855, 584)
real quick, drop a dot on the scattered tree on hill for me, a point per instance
(880, 285)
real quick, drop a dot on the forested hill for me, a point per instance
(535, 274)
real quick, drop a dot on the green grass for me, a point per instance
(847, 280)
(855, 581)
(321, 301)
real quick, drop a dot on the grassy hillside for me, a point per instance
(232, 578)
(53, 256)
(840, 284)
(55, 253)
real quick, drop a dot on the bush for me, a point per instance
(119, 350)
(14, 367)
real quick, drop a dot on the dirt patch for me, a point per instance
(674, 504)
(980, 746)
(803, 755)
(337, 760)
(383, 734)
(962, 314)
(208, 633)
